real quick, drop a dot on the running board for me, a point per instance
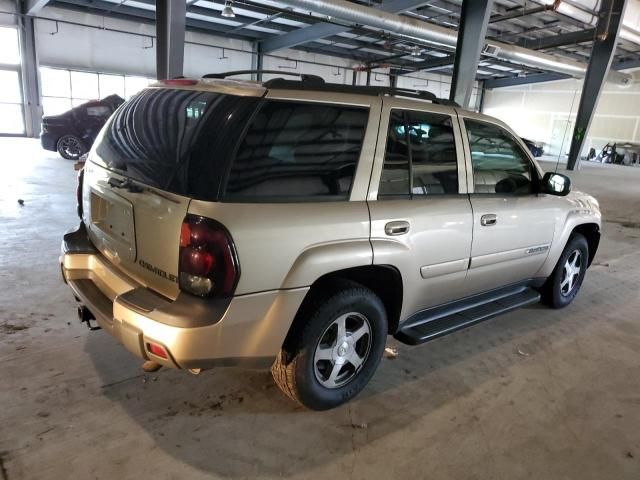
(439, 321)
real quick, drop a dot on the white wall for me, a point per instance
(440, 85)
(7, 6)
(105, 50)
(533, 110)
(331, 69)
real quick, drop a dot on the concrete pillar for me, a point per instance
(31, 91)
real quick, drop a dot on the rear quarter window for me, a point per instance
(295, 151)
(176, 140)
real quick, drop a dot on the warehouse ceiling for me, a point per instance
(532, 24)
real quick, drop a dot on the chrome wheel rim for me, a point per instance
(571, 271)
(342, 350)
(71, 146)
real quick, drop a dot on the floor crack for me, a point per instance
(107, 385)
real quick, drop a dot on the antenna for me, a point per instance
(564, 136)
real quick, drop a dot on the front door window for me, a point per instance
(499, 163)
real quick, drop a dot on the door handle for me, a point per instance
(489, 220)
(399, 227)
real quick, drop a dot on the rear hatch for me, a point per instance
(159, 151)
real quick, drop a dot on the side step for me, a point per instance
(439, 321)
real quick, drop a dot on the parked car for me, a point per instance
(627, 153)
(296, 224)
(536, 148)
(72, 133)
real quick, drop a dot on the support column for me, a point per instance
(602, 51)
(474, 19)
(170, 31)
(481, 93)
(31, 94)
(393, 81)
(257, 61)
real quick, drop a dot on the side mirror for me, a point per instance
(556, 184)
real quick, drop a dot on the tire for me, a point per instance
(70, 147)
(304, 368)
(559, 291)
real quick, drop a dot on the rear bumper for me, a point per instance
(48, 141)
(247, 331)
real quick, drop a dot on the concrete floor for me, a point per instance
(534, 394)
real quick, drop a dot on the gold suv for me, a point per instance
(294, 224)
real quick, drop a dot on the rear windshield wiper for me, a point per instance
(126, 183)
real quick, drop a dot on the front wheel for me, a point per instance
(565, 281)
(336, 350)
(71, 147)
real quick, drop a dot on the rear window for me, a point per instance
(99, 111)
(295, 151)
(176, 140)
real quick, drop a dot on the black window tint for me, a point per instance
(395, 173)
(499, 164)
(176, 140)
(421, 156)
(298, 151)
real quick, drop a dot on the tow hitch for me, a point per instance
(85, 316)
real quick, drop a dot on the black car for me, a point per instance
(535, 148)
(72, 133)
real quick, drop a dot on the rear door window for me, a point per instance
(420, 159)
(295, 151)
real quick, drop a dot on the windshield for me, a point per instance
(175, 140)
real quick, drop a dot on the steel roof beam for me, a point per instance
(33, 7)
(125, 12)
(561, 40)
(323, 30)
(513, 81)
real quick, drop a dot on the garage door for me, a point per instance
(11, 116)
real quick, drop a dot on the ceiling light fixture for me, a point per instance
(416, 51)
(227, 11)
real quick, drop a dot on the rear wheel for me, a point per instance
(336, 349)
(70, 147)
(565, 281)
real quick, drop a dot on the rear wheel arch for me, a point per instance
(383, 280)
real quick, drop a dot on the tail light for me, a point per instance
(208, 261)
(79, 192)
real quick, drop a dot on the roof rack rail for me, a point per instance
(314, 82)
(233, 73)
(282, 83)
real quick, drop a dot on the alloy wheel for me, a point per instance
(571, 272)
(342, 350)
(71, 146)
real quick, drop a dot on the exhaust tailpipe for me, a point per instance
(85, 316)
